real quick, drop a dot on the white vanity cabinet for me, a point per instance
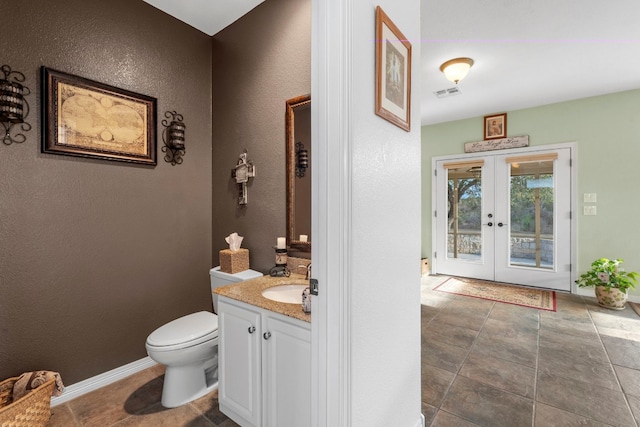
(264, 373)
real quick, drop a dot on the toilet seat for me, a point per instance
(186, 331)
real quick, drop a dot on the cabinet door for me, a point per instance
(239, 359)
(286, 370)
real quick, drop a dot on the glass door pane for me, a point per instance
(463, 217)
(464, 213)
(531, 236)
(533, 218)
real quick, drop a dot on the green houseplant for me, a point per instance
(612, 282)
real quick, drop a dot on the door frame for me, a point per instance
(573, 149)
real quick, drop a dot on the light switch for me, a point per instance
(589, 210)
(590, 198)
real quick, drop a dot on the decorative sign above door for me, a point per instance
(497, 144)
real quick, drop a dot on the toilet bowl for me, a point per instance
(188, 347)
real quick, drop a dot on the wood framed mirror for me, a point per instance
(298, 148)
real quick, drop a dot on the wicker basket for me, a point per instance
(31, 410)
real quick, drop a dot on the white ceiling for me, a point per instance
(526, 52)
(208, 16)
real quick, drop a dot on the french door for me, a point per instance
(505, 217)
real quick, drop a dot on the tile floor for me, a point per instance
(483, 364)
(135, 401)
(492, 364)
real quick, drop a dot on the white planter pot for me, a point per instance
(613, 298)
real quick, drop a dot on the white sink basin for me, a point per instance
(290, 293)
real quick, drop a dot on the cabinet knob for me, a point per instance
(266, 335)
(252, 329)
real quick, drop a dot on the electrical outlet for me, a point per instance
(590, 197)
(589, 210)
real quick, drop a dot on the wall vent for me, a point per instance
(447, 92)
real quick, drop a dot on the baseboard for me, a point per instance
(589, 292)
(101, 380)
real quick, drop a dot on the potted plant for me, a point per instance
(612, 282)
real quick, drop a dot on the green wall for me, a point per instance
(606, 130)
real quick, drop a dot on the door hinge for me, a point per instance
(435, 172)
(435, 255)
(313, 286)
(435, 214)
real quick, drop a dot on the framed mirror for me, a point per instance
(298, 154)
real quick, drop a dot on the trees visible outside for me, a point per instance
(531, 198)
(524, 190)
(523, 201)
(469, 201)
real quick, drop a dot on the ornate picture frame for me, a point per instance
(495, 126)
(393, 72)
(85, 118)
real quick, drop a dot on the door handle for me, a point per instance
(266, 335)
(252, 329)
(490, 224)
(500, 224)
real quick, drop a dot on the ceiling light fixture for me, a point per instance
(456, 69)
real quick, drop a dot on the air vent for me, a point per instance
(447, 92)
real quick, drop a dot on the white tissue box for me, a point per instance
(234, 261)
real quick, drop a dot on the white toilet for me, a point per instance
(188, 346)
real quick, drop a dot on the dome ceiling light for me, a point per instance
(456, 69)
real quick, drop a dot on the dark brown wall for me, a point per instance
(94, 255)
(264, 59)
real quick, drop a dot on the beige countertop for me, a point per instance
(250, 292)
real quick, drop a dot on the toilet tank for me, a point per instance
(220, 278)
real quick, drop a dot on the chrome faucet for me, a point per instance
(308, 268)
(308, 276)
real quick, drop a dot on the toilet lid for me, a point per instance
(192, 328)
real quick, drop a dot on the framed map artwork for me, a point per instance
(82, 117)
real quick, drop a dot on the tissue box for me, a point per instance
(234, 261)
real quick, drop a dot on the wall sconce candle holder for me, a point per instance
(302, 159)
(13, 107)
(173, 138)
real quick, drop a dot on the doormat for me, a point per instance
(541, 299)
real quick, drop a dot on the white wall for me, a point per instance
(367, 217)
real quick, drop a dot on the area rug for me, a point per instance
(535, 298)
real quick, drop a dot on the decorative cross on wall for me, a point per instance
(241, 173)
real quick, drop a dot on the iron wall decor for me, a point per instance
(173, 137)
(495, 126)
(14, 108)
(393, 72)
(302, 160)
(85, 118)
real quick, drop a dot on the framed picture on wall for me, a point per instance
(393, 72)
(85, 118)
(495, 126)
